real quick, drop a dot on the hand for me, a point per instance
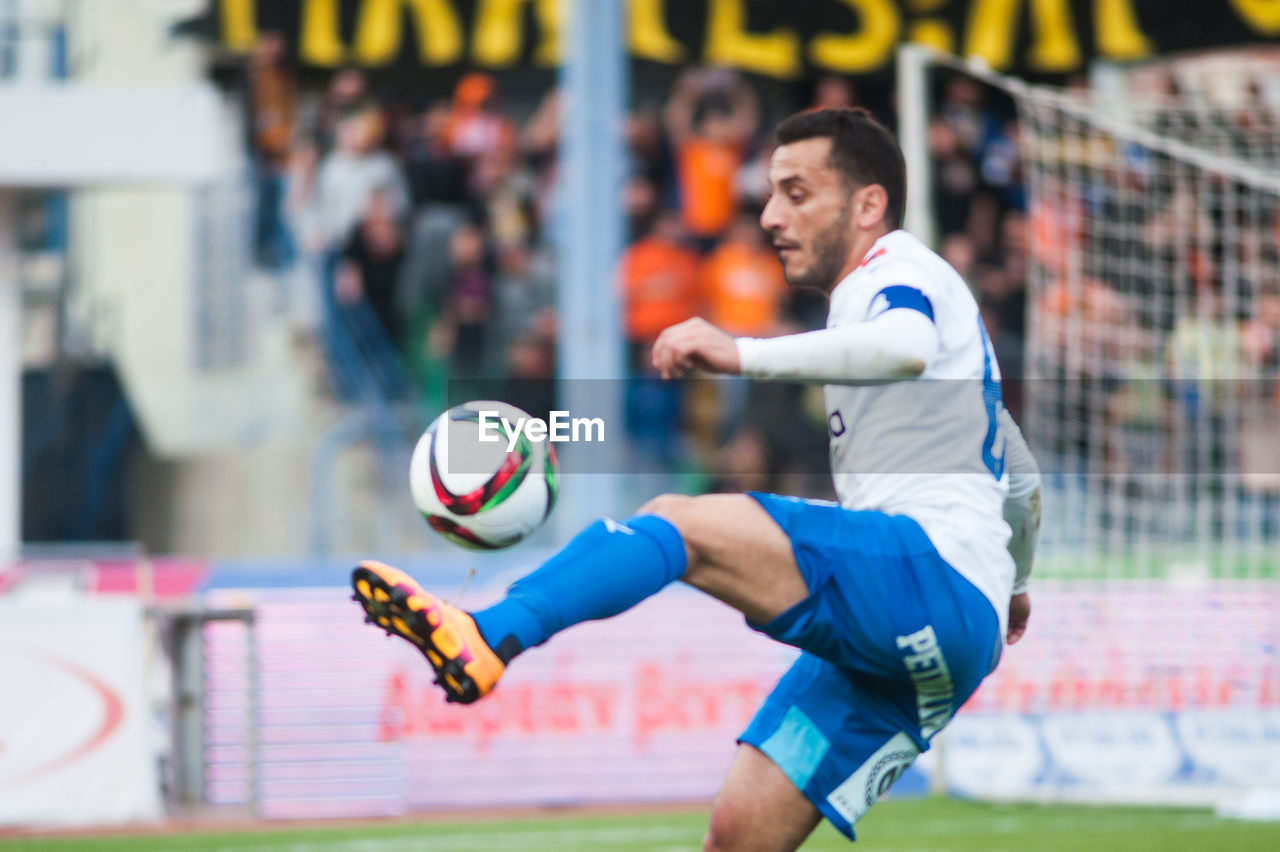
(1019, 612)
(695, 343)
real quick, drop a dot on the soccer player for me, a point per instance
(899, 597)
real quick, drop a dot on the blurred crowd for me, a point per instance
(981, 213)
(432, 227)
(1160, 298)
(1158, 317)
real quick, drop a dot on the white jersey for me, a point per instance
(931, 448)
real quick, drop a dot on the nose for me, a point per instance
(770, 216)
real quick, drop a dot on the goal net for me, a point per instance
(1149, 373)
(1153, 312)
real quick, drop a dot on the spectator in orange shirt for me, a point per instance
(273, 119)
(742, 284)
(659, 277)
(742, 291)
(660, 282)
(476, 132)
(710, 119)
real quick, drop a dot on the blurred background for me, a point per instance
(249, 249)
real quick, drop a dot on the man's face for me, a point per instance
(808, 214)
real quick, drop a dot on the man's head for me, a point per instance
(838, 183)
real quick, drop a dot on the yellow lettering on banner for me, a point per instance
(499, 32)
(776, 53)
(239, 25)
(648, 33)
(1262, 15)
(993, 25)
(1116, 31)
(934, 33)
(1054, 46)
(864, 50)
(319, 42)
(496, 40)
(379, 31)
(550, 14)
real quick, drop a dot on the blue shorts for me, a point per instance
(894, 641)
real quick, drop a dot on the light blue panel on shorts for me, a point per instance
(797, 747)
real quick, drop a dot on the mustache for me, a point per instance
(783, 244)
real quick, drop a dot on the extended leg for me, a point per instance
(606, 569)
(726, 545)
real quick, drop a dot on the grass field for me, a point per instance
(908, 825)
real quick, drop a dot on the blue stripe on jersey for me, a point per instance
(900, 296)
(991, 399)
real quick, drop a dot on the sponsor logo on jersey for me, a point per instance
(876, 775)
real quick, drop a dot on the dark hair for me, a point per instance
(863, 151)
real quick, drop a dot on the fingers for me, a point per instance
(659, 357)
(677, 367)
(1019, 615)
(675, 350)
(670, 364)
(665, 357)
(694, 343)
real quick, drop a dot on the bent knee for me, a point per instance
(712, 526)
(669, 507)
(704, 510)
(744, 827)
(728, 829)
(676, 509)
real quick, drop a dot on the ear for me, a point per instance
(869, 205)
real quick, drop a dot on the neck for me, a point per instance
(862, 244)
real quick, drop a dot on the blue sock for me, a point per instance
(608, 568)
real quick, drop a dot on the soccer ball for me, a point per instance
(480, 483)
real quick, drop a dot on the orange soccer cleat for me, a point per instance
(465, 666)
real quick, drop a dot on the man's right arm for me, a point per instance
(897, 344)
